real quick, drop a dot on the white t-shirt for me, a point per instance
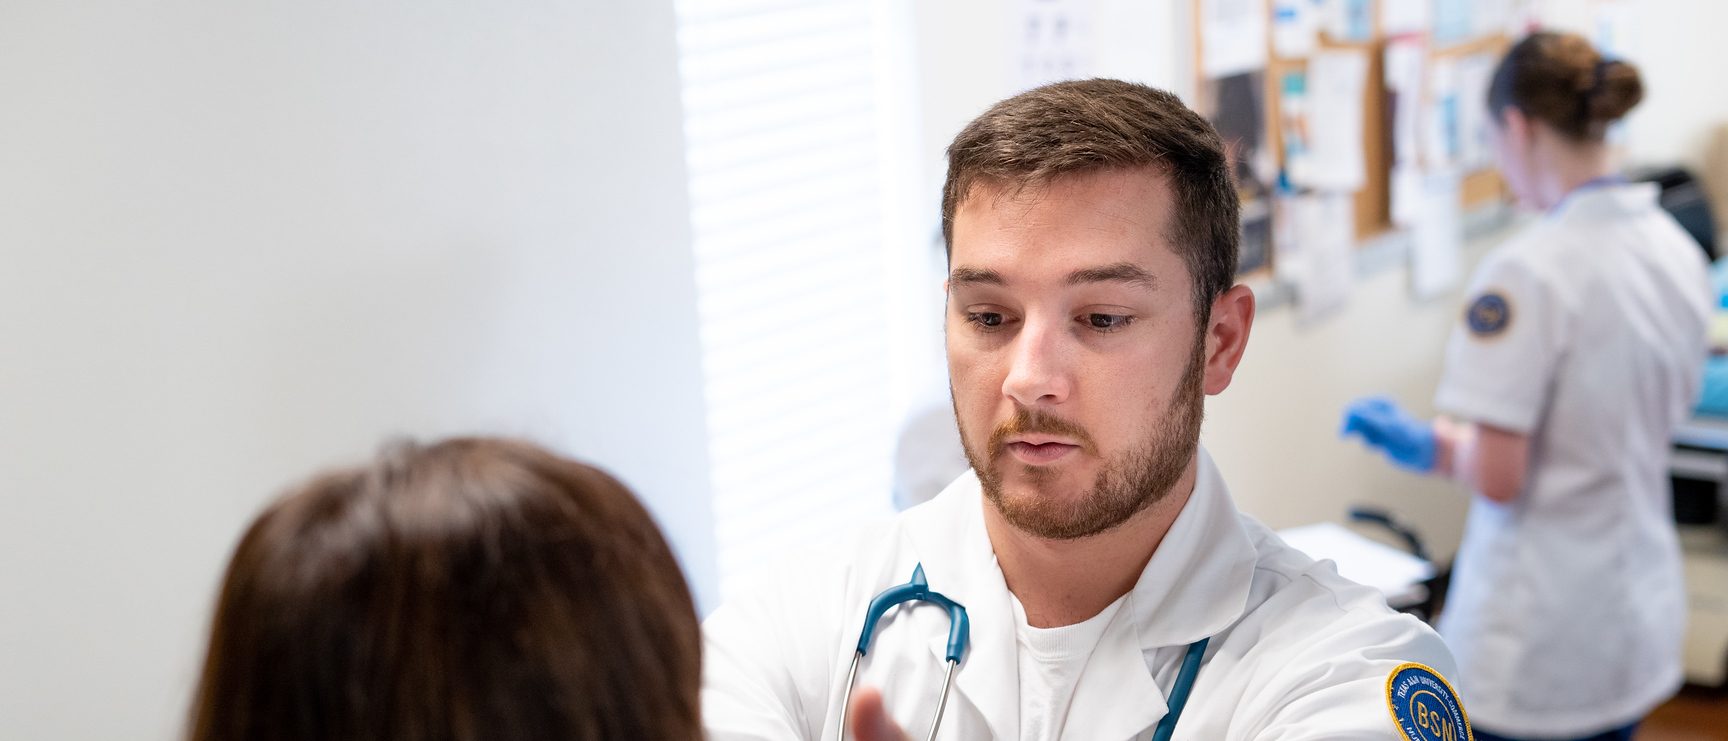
(1051, 661)
(1586, 333)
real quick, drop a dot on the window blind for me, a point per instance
(784, 155)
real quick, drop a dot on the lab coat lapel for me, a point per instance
(1197, 582)
(1195, 585)
(959, 562)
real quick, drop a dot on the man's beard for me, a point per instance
(1129, 483)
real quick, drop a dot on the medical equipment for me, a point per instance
(1179, 691)
(918, 590)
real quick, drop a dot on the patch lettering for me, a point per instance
(1424, 706)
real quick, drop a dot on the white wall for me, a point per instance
(240, 241)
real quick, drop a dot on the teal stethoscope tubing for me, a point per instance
(918, 590)
(1179, 692)
(959, 630)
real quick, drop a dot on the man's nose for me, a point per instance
(1038, 361)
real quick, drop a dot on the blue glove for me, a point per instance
(1408, 441)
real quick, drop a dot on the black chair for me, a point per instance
(1435, 586)
(1684, 198)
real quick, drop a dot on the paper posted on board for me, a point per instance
(1403, 75)
(1053, 41)
(1335, 88)
(1349, 21)
(1437, 239)
(1295, 28)
(1405, 16)
(1474, 74)
(1316, 251)
(1232, 37)
(1441, 133)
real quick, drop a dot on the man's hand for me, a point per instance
(869, 721)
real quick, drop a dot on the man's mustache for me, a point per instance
(1034, 422)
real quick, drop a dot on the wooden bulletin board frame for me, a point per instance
(1373, 200)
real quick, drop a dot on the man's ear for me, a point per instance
(1227, 336)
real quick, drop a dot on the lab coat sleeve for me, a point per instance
(747, 693)
(1505, 348)
(765, 662)
(1334, 686)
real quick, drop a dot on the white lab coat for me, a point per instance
(1567, 605)
(1297, 652)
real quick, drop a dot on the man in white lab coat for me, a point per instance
(1092, 233)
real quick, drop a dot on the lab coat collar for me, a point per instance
(1198, 580)
(1195, 585)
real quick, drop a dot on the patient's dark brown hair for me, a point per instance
(471, 589)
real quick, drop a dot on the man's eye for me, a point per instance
(1107, 322)
(984, 319)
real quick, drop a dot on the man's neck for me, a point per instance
(1063, 582)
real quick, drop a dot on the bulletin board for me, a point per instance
(1479, 185)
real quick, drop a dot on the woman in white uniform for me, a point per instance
(1578, 354)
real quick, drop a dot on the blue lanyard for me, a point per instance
(1180, 691)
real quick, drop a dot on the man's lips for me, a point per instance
(1042, 439)
(1040, 453)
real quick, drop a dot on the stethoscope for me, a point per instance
(918, 590)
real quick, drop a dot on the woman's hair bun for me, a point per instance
(1617, 90)
(1564, 82)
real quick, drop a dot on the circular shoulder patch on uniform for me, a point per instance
(1489, 314)
(1424, 705)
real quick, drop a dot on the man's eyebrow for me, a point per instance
(963, 276)
(1120, 272)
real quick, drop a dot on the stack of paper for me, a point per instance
(1397, 574)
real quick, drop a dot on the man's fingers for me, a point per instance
(869, 719)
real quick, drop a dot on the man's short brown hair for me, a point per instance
(1087, 126)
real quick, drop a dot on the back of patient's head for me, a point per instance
(470, 589)
(1559, 79)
